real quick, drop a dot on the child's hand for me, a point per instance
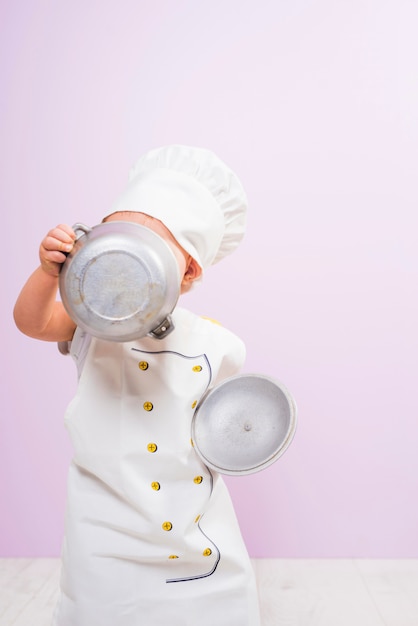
(54, 248)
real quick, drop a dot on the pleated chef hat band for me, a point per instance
(196, 196)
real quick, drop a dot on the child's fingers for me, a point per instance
(53, 249)
(53, 256)
(52, 243)
(67, 230)
(60, 238)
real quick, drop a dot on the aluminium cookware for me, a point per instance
(244, 424)
(120, 282)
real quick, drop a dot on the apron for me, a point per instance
(151, 534)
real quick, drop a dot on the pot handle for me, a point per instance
(85, 230)
(163, 329)
(81, 227)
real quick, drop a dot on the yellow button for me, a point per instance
(173, 556)
(207, 552)
(152, 447)
(197, 368)
(197, 519)
(148, 406)
(143, 365)
(198, 479)
(167, 526)
(156, 486)
(194, 404)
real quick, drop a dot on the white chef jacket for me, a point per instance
(151, 534)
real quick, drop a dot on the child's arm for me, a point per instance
(37, 313)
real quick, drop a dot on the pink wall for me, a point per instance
(314, 104)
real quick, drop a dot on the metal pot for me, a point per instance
(120, 282)
(244, 424)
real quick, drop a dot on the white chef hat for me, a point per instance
(196, 196)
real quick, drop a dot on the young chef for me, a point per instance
(151, 535)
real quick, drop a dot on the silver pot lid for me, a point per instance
(244, 424)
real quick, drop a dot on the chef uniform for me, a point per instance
(151, 534)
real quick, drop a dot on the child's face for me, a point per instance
(188, 267)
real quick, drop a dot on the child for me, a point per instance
(151, 535)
